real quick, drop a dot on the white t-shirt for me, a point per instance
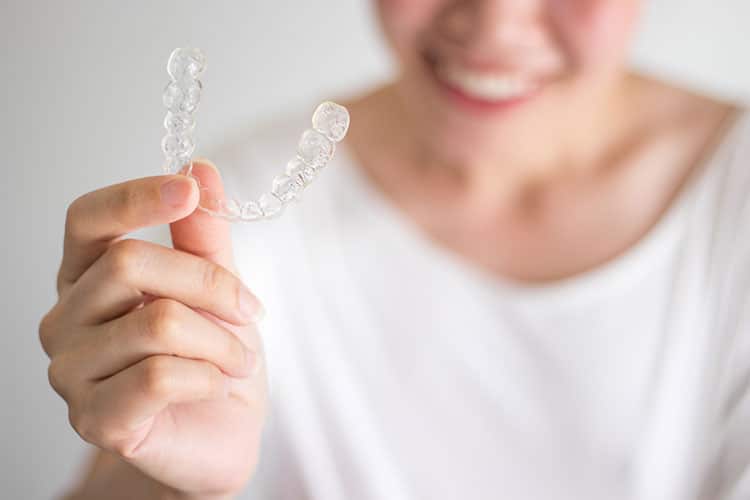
(400, 371)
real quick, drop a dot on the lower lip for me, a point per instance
(478, 105)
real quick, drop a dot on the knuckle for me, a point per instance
(124, 259)
(163, 321)
(89, 428)
(75, 216)
(83, 425)
(46, 329)
(156, 377)
(56, 376)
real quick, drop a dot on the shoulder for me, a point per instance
(721, 203)
(721, 181)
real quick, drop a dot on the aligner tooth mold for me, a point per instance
(330, 123)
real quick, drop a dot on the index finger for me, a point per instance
(100, 217)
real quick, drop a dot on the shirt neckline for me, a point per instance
(620, 271)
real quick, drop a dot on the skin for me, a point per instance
(173, 390)
(531, 193)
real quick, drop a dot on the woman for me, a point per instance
(525, 275)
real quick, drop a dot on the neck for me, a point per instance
(535, 150)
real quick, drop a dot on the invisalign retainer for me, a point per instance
(315, 149)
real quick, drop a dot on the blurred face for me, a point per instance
(478, 76)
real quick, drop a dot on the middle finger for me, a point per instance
(118, 280)
(162, 327)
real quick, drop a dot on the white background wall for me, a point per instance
(80, 108)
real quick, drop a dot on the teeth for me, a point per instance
(492, 87)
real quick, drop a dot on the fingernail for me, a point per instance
(208, 163)
(175, 192)
(250, 307)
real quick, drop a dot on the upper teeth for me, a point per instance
(487, 86)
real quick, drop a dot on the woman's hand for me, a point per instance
(154, 349)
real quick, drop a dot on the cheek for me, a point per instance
(403, 20)
(595, 32)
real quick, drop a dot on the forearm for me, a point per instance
(112, 478)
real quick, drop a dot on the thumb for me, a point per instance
(200, 233)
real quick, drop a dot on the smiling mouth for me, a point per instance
(485, 89)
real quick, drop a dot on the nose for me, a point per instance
(491, 24)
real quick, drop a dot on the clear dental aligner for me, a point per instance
(315, 149)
